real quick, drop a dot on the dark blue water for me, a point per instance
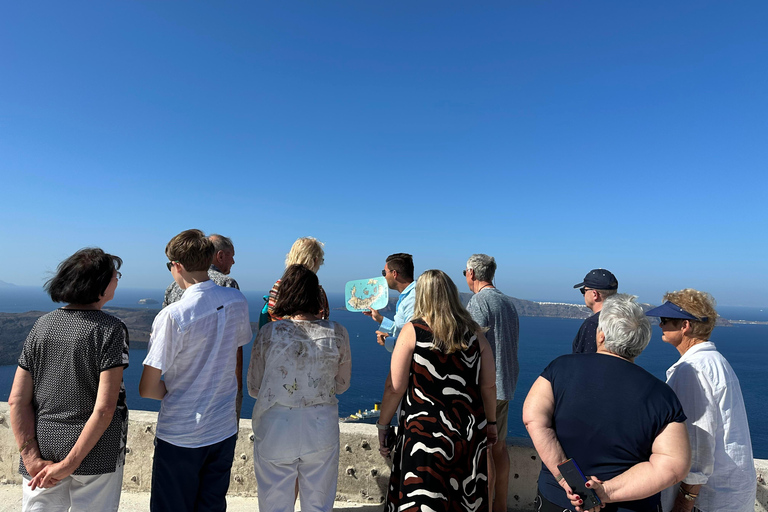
(541, 340)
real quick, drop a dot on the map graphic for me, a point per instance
(366, 293)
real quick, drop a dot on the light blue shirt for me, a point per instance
(403, 314)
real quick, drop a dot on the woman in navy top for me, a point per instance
(623, 426)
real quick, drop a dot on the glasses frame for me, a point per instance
(118, 274)
(169, 264)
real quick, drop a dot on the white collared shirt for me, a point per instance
(194, 343)
(721, 458)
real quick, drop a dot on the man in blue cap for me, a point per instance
(598, 285)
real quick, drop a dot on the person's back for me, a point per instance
(208, 321)
(299, 361)
(194, 345)
(66, 351)
(491, 308)
(607, 414)
(443, 424)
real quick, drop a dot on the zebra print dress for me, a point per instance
(440, 459)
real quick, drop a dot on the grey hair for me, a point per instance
(221, 243)
(626, 328)
(483, 265)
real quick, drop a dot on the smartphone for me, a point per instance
(576, 480)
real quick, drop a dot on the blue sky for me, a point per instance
(556, 136)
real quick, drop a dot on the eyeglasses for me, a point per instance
(118, 275)
(169, 264)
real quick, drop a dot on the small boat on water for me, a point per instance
(363, 415)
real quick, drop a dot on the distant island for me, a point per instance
(148, 301)
(555, 309)
(3, 284)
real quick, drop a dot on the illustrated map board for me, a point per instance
(363, 294)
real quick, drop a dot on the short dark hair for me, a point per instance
(192, 249)
(403, 263)
(299, 292)
(83, 277)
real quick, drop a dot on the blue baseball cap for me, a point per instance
(599, 279)
(672, 310)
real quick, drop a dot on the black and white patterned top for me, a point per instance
(173, 293)
(65, 352)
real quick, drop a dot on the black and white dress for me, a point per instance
(65, 353)
(439, 462)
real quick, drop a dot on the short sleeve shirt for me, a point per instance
(194, 344)
(65, 353)
(492, 309)
(607, 414)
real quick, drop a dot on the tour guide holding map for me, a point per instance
(398, 271)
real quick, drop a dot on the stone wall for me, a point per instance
(363, 473)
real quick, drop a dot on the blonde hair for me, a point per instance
(306, 251)
(438, 304)
(700, 304)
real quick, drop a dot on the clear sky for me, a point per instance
(557, 136)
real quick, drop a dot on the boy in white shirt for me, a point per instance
(193, 346)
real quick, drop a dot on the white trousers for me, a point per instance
(291, 443)
(76, 493)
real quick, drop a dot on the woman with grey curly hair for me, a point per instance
(722, 475)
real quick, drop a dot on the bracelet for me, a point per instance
(688, 495)
(560, 478)
(491, 422)
(27, 443)
(382, 427)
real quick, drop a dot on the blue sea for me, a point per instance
(541, 340)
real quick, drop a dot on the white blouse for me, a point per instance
(721, 446)
(299, 363)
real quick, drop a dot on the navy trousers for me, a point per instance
(191, 479)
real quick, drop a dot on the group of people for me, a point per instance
(644, 445)
(453, 371)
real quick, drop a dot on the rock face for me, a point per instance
(14, 328)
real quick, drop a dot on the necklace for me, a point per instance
(483, 287)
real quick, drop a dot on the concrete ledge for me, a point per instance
(363, 473)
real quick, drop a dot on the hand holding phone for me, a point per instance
(576, 480)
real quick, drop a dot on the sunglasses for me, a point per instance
(169, 264)
(465, 271)
(584, 290)
(664, 320)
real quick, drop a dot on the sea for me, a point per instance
(541, 340)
